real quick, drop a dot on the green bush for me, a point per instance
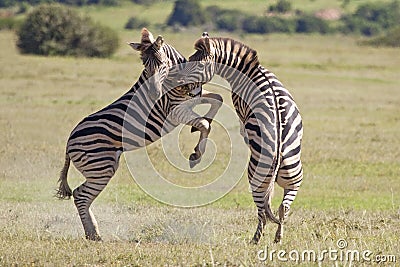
(144, 2)
(359, 25)
(253, 24)
(87, 2)
(211, 12)
(278, 24)
(391, 39)
(135, 23)
(229, 20)
(187, 13)
(386, 15)
(9, 3)
(57, 30)
(282, 6)
(310, 24)
(372, 18)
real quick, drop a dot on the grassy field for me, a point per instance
(350, 102)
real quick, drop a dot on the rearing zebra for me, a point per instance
(131, 122)
(270, 117)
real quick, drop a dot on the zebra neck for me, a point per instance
(123, 101)
(173, 55)
(233, 54)
(245, 78)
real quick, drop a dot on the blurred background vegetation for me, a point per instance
(347, 91)
(377, 21)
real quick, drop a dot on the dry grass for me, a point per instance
(350, 103)
(138, 235)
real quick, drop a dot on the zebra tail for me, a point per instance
(64, 191)
(270, 192)
(268, 199)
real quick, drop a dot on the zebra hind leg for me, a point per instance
(83, 198)
(260, 227)
(288, 197)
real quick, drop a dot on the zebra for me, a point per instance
(270, 118)
(131, 122)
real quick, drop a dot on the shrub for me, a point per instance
(229, 20)
(213, 11)
(277, 24)
(251, 25)
(386, 15)
(359, 25)
(144, 2)
(187, 13)
(282, 6)
(135, 23)
(57, 30)
(9, 3)
(372, 18)
(102, 2)
(391, 39)
(309, 24)
(254, 24)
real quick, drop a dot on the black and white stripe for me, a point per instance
(271, 120)
(131, 122)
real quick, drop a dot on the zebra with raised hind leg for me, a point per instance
(136, 119)
(271, 121)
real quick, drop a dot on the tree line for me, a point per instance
(54, 29)
(368, 19)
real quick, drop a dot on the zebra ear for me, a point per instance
(207, 42)
(136, 46)
(159, 42)
(204, 35)
(203, 44)
(147, 37)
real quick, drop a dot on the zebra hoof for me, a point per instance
(253, 242)
(194, 159)
(278, 238)
(93, 237)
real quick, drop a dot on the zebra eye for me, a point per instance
(201, 64)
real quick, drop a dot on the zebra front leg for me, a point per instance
(215, 100)
(204, 127)
(83, 198)
(184, 114)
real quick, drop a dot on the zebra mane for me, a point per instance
(201, 45)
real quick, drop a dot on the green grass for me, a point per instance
(349, 99)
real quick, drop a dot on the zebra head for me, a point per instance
(155, 61)
(203, 59)
(201, 66)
